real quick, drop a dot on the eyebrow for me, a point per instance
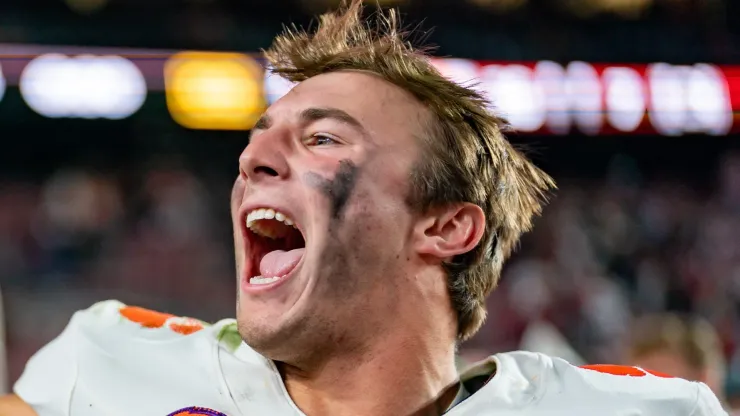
(263, 123)
(314, 114)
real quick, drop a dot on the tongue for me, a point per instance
(279, 263)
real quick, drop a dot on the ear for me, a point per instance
(449, 231)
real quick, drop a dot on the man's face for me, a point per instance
(333, 157)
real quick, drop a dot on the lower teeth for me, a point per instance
(259, 280)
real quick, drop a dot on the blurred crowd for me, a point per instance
(605, 251)
(82, 236)
(609, 251)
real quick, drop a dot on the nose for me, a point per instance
(264, 158)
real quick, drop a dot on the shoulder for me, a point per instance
(166, 361)
(112, 318)
(113, 314)
(123, 330)
(592, 386)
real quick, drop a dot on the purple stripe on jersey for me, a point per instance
(191, 411)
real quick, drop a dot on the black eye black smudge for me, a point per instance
(339, 189)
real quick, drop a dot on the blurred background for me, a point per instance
(122, 120)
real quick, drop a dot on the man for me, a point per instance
(374, 207)
(686, 348)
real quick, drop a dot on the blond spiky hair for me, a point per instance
(467, 157)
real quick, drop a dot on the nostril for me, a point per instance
(266, 170)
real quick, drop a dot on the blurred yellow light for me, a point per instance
(322, 6)
(214, 91)
(500, 6)
(86, 6)
(631, 9)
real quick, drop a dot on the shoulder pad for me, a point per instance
(650, 387)
(112, 313)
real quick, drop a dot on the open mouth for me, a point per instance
(275, 245)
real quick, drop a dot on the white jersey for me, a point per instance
(114, 360)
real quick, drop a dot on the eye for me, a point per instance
(321, 140)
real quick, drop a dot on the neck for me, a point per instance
(402, 374)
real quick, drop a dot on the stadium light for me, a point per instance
(687, 99)
(276, 87)
(550, 78)
(668, 99)
(595, 98)
(709, 100)
(513, 92)
(584, 91)
(590, 8)
(214, 91)
(461, 71)
(85, 86)
(625, 98)
(500, 6)
(86, 7)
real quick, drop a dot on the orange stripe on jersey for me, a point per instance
(186, 329)
(151, 319)
(659, 374)
(145, 317)
(622, 370)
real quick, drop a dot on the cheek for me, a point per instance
(381, 218)
(237, 194)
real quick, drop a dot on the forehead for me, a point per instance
(385, 110)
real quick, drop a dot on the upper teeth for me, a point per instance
(266, 214)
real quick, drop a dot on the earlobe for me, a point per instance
(451, 231)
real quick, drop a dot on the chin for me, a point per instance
(271, 335)
(258, 335)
